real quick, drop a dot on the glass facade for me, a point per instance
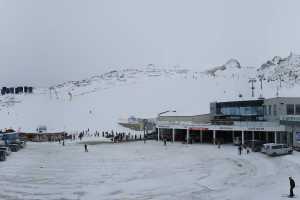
(265, 110)
(252, 110)
(243, 111)
(290, 109)
(274, 109)
(297, 109)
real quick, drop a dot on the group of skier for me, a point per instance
(122, 136)
(86, 133)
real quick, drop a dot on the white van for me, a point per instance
(265, 147)
(273, 149)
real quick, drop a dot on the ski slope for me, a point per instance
(99, 101)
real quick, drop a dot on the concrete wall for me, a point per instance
(294, 129)
(280, 103)
(296, 142)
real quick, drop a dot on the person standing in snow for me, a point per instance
(245, 147)
(85, 148)
(248, 150)
(292, 186)
(165, 142)
(240, 149)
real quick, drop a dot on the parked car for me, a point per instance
(6, 149)
(2, 155)
(14, 147)
(255, 145)
(23, 143)
(273, 149)
(20, 143)
(10, 137)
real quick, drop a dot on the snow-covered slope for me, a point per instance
(285, 69)
(99, 101)
(231, 64)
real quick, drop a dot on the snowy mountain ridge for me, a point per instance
(132, 75)
(284, 70)
(99, 101)
(230, 64)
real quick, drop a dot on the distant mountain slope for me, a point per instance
(230, 64)
(279, 69)
(99, 101)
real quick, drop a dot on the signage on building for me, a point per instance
(297, 134)
(198, 129)
(256, 129)
(163, 126)
(225, 128)
(290, 118)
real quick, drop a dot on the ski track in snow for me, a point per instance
(143, 171)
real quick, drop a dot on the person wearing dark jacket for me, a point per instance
(292, 185)
(85, 148)
(165, 142)
(240, 149)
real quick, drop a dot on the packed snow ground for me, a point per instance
(144, 171)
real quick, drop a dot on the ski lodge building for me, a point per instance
(274, 120)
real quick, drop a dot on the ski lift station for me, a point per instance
(274, 120)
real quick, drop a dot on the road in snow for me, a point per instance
(144, 171)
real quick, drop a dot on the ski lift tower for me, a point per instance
(261, 78)
(252, 81)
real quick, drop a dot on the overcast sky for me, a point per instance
(45, 42)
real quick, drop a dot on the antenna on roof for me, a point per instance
(261, 97)
(261, 78)
(252, 81)
(277, 91)
(280, 76)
